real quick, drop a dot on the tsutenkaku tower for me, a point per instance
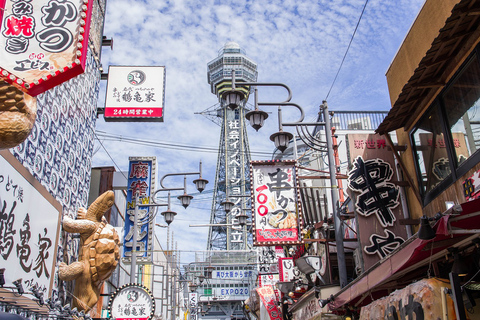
(232, 177)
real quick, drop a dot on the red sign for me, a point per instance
(43, 42)
(270, 302)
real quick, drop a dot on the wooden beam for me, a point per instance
(404, 169)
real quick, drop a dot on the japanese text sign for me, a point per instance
(286, 269)
(43, 42)
(29, 226)
(372, 185)
(192, 304)
(276, 209)
(132, 302)
(267, 295)
(135, 94)
(141, 178)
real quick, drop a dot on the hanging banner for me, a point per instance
(141, 178)
(29, 227)
(43, 42)
(267, 294)
(135, 94)
(276, 208)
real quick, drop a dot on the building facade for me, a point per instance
(53, 164)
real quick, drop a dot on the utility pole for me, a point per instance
(342, 268)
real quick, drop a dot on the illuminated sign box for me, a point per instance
(43, 42)
(135, 94)
(276, 204)
(141, 178)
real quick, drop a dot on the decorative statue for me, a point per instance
(98, 255)
(18, 111)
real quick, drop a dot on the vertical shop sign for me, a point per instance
(29, 226)
(372, 184)
(286, 269)
(141, 178)
(135, 94)
(276, 210)
(43, 42)
(192, 305)
(267, 294)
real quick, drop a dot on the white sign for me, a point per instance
(29, 227)
(132, 302)
(192, 304)
(287, 269)
(43, 42)
(268, 280)
(135, 93)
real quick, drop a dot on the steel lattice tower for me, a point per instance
(232, 176)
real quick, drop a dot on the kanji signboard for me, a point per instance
(43, 42)
(141, 178)
(132, 302)
(372, 184)
(135, 93)
(29, 226)
(276, 209)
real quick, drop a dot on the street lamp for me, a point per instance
(282, 139)
(168, 215)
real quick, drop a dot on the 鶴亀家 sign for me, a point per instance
(276, 209)
(43, 42)
(135, 94)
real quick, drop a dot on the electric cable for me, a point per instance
(346, 52)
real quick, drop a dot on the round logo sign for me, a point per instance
(133, 302)
(136, 77)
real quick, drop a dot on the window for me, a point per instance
(430, 150)
(447, 138)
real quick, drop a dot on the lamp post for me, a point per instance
(282, 139)
(169, 215)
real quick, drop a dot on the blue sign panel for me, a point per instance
(141, 179)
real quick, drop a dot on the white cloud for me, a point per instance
(299, 43)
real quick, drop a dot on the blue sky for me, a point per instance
(296, 42)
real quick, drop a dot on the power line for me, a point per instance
(118, 168)
(166, 145)
(341, 64)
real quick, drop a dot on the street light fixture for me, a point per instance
(168, 215)
(281, 140)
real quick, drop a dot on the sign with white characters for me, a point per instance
(135, 94)
(141, 178)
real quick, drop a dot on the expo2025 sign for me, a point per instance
(43, 42)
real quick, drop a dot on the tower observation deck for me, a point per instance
(232, 176)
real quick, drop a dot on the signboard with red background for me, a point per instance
(372, 185)
(276, 210)
(43, 42)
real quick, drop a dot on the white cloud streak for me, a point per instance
(296, 42)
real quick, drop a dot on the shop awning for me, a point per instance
(451, 231)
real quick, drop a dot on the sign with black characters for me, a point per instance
(132, 302)
(43, 42)
(135, 93)
(276, 209)
(29, 226)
